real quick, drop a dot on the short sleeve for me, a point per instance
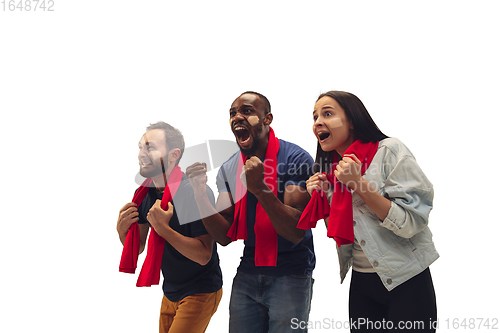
(221, 180)
(142, 218)
(187, 210)
(300, 165)
(197, 227)
(144, 207)
(226, 177)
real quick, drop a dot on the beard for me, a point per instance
(151, 172)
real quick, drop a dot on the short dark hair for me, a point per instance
(267, 105)
(364, 128)
(173, 136)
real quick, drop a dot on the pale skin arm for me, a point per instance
(216, 220)
(348, 172)
(128, 215)
(197, 249)
(318, 182)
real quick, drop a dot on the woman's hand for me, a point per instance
(317, 182)
(348, 171)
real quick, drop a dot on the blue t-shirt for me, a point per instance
(294, 168)
(183, 277)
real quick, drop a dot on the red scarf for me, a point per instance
(340, 226)
(150, 272)
(130, 252)
(266, 238)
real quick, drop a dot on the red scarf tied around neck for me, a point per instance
(340, 226)
(150, 272)
(266, 238)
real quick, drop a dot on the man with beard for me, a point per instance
(261, 197)
(186, 253)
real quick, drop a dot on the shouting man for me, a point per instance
(261, 197)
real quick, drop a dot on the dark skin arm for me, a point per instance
(283, 215)
(216, 220)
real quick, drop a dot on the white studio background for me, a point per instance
(79, 85)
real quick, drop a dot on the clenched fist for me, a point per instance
(128, 215)
(197, 175)
(348, 171)
(317, 182)
(252, 176)
(159, 218)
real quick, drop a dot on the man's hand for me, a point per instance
(252, 176)
(128, 215)
(160, 218)
(197, 175)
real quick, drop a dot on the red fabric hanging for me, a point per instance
(266, 238)
(150, 272)
(340, 224)
(130, 252)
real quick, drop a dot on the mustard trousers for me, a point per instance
(189, 315)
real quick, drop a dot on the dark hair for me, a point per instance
(173, 136)
(267, 105)
(364, 128)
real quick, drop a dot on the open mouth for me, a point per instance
(323, 136)
(145, 163)
(242, 134)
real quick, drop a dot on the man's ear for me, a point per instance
(268, 119)
(174, 155)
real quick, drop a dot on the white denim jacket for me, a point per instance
(401, 246)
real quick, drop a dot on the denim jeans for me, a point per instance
(264, 303)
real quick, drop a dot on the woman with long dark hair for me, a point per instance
(376, 201)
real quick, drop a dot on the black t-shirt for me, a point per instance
(183, 277)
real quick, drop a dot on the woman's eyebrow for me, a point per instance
(325, 107)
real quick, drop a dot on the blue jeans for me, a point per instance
(264, 303)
